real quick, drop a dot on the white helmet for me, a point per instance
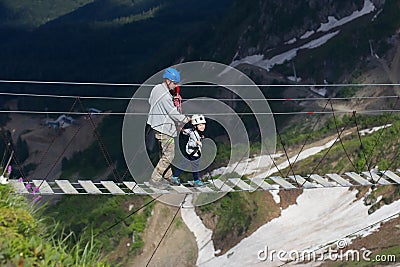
(198, 119)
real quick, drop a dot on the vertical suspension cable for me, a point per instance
(309, 136)
(101, 145)
(9, 147)
(381, 133)
(361, 143)
(52, 142)
(287, 157)
(166, 231)
(323, 157)
(340, 139)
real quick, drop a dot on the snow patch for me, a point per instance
(305, 225)
(303, 155)
(291, 41)
(307, 34)
(201, 233)
(319, 41)
(319, 217)
(321, 91)
(294, 79)
(275, 194)
(259, 61)
(248, 166)
(374, 129)
(333, 22)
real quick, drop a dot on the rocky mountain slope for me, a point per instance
(272, 41)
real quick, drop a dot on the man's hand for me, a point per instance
(186, 120)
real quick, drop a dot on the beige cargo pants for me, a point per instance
(167, 147)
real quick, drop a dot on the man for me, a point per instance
(163, 116)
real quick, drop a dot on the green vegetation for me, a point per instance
(379, 148)
(25, 240)
(88, 163)
(232, 214)
(127, 19)
(297, 133)
(86, 216)
(25, 13)
(348, 91)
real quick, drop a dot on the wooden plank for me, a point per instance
(112, 187)
(339, 179)
(392, 176)
(89, 187)
(375, 177)
(259, 182)
(241, 184)
(66, 187)
(44, 187)
(203, 189)
(322, 181)
(181, 189)
(135, 188)
(357, 178)
(155, 189)
(283, 183)
(303, 182)
(19, 187)
(158, 191)
(222, 186)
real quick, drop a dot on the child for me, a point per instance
(193, 149)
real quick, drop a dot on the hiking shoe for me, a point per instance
(159, 184)
(175, 181)
(197, 183)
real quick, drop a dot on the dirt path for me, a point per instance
(179, 246)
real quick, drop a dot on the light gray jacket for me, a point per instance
(192, 145)
(163, 114)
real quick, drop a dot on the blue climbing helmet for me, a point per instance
(172, 75)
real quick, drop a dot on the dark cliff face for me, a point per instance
(270, 28)
(267, 24)
(114, 40)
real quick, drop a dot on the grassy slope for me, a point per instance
(93, 215)
(25, 240)
(379, 148)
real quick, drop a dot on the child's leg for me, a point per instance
(183, 165)
(195, 161)
(177, 172)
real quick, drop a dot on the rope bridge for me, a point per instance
(88, 187)
(122, 186)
